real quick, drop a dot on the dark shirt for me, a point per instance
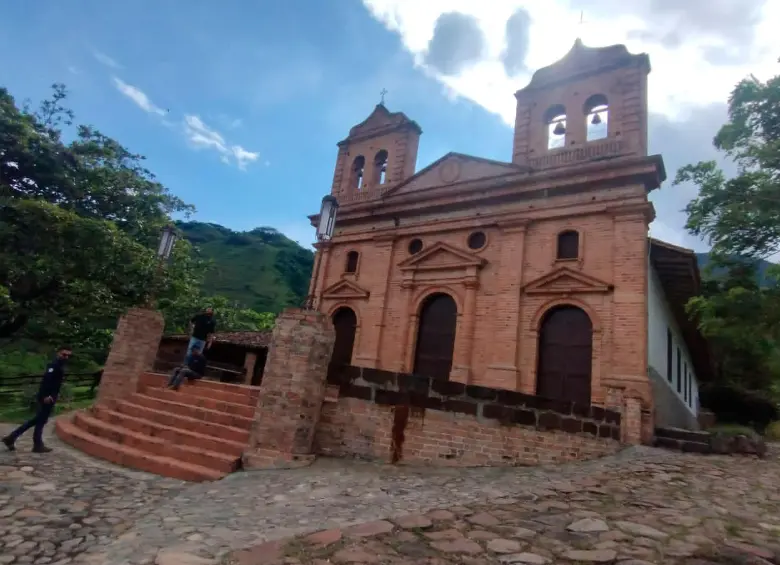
(197, 364)
(203, 326)
(51, 383)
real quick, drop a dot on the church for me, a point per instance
(535, 275)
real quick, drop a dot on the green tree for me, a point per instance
(740, 218)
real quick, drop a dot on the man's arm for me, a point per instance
(50, 383)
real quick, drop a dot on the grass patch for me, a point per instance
(733, 430)
(16, 407)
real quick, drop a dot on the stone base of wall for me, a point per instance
(365, 430)
(407, 419)
(708, 443)
(270, 459)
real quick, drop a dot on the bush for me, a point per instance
(734, 405)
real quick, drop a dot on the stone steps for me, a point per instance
(126, 456)
(197, 433)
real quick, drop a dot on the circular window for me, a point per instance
(415, 246)
(477, 240)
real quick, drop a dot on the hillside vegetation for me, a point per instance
(260, 269)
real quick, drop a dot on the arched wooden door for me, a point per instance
(345, 324)
(565, 355)
(436, 337)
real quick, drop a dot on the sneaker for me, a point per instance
(41, 449)
(9, 443)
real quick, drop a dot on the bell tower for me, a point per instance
(378, 153)
(590, 105)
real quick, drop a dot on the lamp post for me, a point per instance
(167, 240)
(327, 223)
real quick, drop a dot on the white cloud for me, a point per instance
(138, 96)
(202, 136)
(699, 50)
(683, 75)
(106, 60)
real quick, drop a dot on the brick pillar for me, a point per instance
(505, 342)
(464, 345)
(250, 360)
(292, 391)
(136, 340)
(633, 419)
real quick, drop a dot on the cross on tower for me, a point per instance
(382, 94)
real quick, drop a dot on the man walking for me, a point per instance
(202, 326)
(194, 368)
(46, 399)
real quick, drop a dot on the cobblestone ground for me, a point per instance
(656, 506)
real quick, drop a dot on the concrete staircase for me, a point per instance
(197, 433)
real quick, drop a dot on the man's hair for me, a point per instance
(195, 348)
(64, 348)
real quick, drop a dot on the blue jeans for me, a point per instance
(38, 422)
(194, 341)
(179, 374)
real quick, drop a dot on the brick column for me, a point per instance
(292, 391)
(505, 340)
(250, 360)
(136, 340)
(464, 344)
(373, 319)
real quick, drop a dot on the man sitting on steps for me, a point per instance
(193, 369)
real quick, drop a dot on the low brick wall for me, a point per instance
(709, 443)
(401, 418)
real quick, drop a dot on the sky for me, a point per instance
(238, 104)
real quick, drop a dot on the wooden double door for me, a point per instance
(565, 355)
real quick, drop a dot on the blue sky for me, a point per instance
(238, 104)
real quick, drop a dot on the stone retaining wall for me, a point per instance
(709, 443)
(399, 418)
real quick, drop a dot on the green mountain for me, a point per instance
(261, 269)
(761, 268)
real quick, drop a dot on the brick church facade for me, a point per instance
(531, 275)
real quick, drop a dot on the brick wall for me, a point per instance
(133, 350)
(397, 417)
(292, 391)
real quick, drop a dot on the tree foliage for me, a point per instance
(79, 226)
(740, 218)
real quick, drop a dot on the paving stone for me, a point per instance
(413, 522)
(355, 556)
(457, 546)
(369, 529)
(588, 525)
(641, 530)
(504, 546)
(324, 538)
(524, 558)
(591, 555)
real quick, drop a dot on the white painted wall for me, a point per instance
(659, 319)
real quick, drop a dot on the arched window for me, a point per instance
(555, 119)
(568, 245)
(380, 167)
(352, 262)
(358, 166)
(596, 111)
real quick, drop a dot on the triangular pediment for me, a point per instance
(583, 60)
(441, 256)
(380, 120)
(345, 289)
(454, 168)
(566, 281)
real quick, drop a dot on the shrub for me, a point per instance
(734, 405)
